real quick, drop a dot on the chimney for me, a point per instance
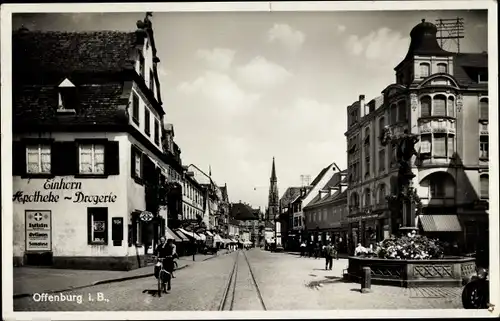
(361, 106)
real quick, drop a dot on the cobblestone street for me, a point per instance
(286, 282)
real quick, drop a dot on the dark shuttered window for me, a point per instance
(112, 158)
(18, 158)
(135, 108)
(65, 158)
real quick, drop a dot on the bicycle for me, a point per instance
(163, 275)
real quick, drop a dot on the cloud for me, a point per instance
(261, 73)
(374, 46)
(220, 89)
(286, 35)
(217, 58)
(341, 28)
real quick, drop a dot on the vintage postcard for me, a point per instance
(250, 160)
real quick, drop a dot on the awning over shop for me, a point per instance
(440, 223)
(170, 234)
(190, 234)
(209, 233)
(217, 238)
(202, 236)
(182, 236)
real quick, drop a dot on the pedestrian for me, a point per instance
(165, 250)
(316, 250)
(302, 249)
(329, 256)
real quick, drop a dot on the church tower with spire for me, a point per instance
(273, 208)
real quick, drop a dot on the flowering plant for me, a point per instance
(362, 251)
(410, 247)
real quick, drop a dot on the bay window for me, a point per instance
(483, 146)
(484, 186)
(483, 109)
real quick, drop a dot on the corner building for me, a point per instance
(89, 154)
(443, 98)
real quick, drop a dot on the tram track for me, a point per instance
(241, 289)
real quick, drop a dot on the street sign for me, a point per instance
(146, 216)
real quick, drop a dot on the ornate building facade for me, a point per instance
(442, 97)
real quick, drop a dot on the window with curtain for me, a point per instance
(402, 110)
(425, 70)
(425, 106)
(381, 194)
(442, 68)
(381, 160)
(451, 145)
(394, 113)
(439, 149)
(381, 125)
(483, 146)
(485, 186)
(38, 159)
(439, 106)
(451, 107)
(483, 109)
(91, 158)
(425, 144)
(367, 197)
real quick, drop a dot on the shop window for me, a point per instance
(38, 159)
(135, 108)
(483, 146)
(485, 186)
(483, 109)
(442, 68)
(97, 218)
(425, 69)
(147, 121)
(439, 106)
(425, 106)
(91, 158)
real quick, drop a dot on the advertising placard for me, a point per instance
(38, 231)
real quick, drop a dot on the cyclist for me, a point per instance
(166, 251)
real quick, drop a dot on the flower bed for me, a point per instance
(410, 261)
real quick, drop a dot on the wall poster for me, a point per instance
(38, 231)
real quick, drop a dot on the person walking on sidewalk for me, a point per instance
(302, 249)
(329, 253)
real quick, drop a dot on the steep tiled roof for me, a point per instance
(36, 105)
(335, 180)
(289, 196)
(327, 199)
(320, 175)
(69, 52)
(243, 212)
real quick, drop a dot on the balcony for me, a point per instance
(441, 125)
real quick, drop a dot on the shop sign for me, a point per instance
(146, 216)
(52, 189)
(362, 218)
(38, 231)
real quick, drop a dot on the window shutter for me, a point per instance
(112, 158)
(89, 225)
(64, 157)
(18, 158)
(133, 152)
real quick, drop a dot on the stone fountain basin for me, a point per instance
(412, 273)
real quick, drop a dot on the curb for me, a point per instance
(24, 295)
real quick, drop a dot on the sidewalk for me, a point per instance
(30, 280)
(341, 255)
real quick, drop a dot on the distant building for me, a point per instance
(290, 238)
(443, 98)
(326, 214)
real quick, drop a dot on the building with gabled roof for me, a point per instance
(91, 163)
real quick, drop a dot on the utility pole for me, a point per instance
(450, 29)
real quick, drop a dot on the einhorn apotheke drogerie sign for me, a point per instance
(38, 231)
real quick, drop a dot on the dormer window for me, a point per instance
(66, 97)
(425, 70)
(482, 76)
(442, 68)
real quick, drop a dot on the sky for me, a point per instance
(242, 88)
